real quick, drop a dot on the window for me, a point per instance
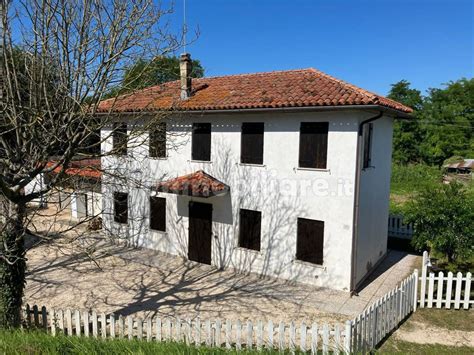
(158, 141)
(249, 231)
(251, 151)
(120, 207)
(119, 137)
(158, 213)
(201, 141)
(310, 241)
(368, 132)
(313, 145)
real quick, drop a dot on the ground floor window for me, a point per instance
(158, 213)
(249, 230)
(310, 241)
(120, 207)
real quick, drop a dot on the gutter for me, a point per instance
(378, 108)
(355, 223)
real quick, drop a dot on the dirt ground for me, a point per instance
(82, 270)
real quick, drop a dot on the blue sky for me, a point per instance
(371, 44)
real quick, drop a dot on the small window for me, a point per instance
(313, 145)
(249, 231)
(158, 213)
(201, 141)
(368, 132)
(119, 137)
(158, 141)
(251, 151)
(310, 241)
(120, 207)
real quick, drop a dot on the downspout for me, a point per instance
(355, 224)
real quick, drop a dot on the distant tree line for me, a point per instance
(442, 124)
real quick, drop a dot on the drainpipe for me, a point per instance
(355, 231)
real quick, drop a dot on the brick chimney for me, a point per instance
(185, 67)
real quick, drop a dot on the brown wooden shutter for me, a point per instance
(310, 241)
(201, 141)
(119, 138)
(313, 145)
(250, 229)
(120, 207)
(251, 151)
(158, 213)
(158, 141)
(368, 132)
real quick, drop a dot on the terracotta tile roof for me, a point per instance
(292, 88)
(88, 168)
(198, 184)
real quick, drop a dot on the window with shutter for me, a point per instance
(249, 229)
(251, 151)
(201, 142)
(120, 207)
(158, 213)
(313, 145)
(368, 132)
(310, 241)
(119, 139)
(158, 141)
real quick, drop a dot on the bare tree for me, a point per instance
(58, 60)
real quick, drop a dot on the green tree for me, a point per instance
(449, 115)
(443, 218)
(407, 134)
(144, 73)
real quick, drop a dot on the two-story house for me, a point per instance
(284, 174)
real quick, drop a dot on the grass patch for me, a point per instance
(39, 343)
(392, 346)
(408, 179)
(450, 319)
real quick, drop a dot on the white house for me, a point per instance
(284, 174)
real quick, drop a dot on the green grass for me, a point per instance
(392, 346)
(37, 342)
(451, 319)
(407, 179)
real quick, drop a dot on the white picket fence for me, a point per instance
(444, 291)
(230, 334)
(398, 229)
(378, 320)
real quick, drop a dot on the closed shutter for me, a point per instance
(313, 145)
(119, 139)
(250, 228)
(120, 207)
(310, 241)
(251, 151)
(158, 141)
(201, 141)
(158, 213)
(368, 132)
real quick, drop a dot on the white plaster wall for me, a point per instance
(36, 185)
(374, 200)
(278, 188)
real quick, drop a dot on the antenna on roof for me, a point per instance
(185, 29)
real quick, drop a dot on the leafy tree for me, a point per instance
(449, 113)
(443, 218)
(144, 73)
(407, 134)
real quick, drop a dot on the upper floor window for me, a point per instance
(251, 151)
(249, 229)
(158, 213)
(120, 207)
(119, 138)
(313, 145)
(310, 241)
(367, 135)
(201, 142)
(157, 143)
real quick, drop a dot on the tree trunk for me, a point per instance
(12, 265)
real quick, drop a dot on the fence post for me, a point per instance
(423, 279)
(467, 290)
(348, 338)
(415, 292)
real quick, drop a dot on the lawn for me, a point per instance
(37, 342)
